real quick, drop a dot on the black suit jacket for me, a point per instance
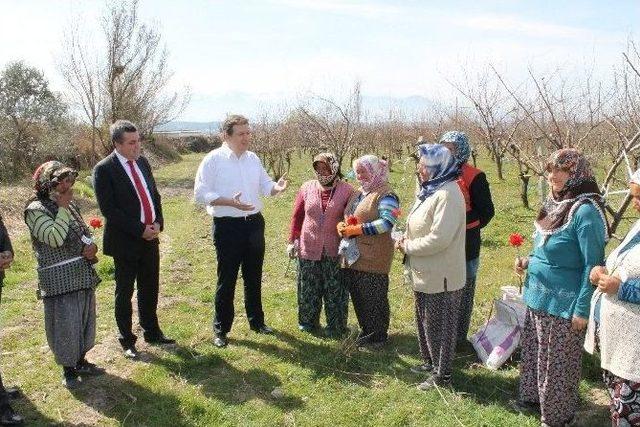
(5, 244)
(119, 204)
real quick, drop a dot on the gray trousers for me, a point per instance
(70, 324)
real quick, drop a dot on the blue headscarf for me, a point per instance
(442, 167)
(460, 140)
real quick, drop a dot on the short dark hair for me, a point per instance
(119, 128)
(231, 121)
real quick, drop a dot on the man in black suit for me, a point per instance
(130, 202)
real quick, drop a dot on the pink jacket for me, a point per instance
(318, 228)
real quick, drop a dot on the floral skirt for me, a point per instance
(625, 400)
(551, 365)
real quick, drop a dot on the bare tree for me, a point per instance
(274, 141)
(129, 80)
(329, 125)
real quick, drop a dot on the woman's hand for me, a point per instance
(578, 323)
(90, 251)
(340, 227)
(63, 199)
(6, 258)
(596, 272)
(399, 245)
(520, 264)
(292, 249)
(608, 284)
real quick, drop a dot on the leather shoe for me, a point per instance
(131, 353)
(14, 393)
(85, 367)
(220, 341)
(71, 381)
(160, 340)
(264, 329)
(10, 418)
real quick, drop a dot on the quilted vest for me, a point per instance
(69, 277)
(376, 252)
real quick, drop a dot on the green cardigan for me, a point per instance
(558, 276)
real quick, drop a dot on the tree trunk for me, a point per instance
(524, 189)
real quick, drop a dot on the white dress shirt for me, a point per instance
(223, 174)
(123, 161)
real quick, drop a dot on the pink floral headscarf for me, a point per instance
(378, 169)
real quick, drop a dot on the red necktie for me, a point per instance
(146, 205)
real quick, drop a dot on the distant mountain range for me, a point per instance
(218, 106)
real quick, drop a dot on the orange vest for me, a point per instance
(469, 173)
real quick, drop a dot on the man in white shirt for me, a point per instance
(230, 182)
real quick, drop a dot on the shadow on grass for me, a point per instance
(129, 402)
(31, 414)
(345, 363)
(218, 379)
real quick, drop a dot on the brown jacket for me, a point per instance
(376, 252)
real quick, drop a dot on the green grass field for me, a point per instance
(290, 378)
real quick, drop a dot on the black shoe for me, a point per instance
(526, 407)
(131, 353)
(87, 368)
(425, 368)
(305, 328)
(9, 418)
(220, 340)
(160, 340)
(264, 329)
(70, 378)
(14, 393)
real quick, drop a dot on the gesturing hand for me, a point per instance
(282, 184)
(236, 203)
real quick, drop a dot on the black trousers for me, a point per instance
(239, 243)
(142, 267)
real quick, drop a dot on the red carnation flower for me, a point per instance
(352, 220)
(396, 213)
(95, 223)
(516, 239)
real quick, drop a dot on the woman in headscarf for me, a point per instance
(7, 415)
(318, 208)
(369, 217)
(614, 323)
(65, 253)
(435, 261)
(479, 207)
(570, 235)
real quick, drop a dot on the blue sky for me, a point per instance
(242, 55)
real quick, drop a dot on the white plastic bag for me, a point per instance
(500, 336)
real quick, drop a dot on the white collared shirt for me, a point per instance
(223, 174)
(123, 161)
